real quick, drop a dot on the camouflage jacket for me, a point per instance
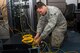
(53, 20)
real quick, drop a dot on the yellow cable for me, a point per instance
(27, 39)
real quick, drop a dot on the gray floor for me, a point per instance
(72, 43)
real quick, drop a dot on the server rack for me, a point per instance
(22, 16)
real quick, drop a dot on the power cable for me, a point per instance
(28, 22)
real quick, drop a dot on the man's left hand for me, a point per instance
(37, 41)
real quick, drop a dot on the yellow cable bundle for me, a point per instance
(27, 35)
(27, 39)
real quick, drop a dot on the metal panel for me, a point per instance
(58, 3)
(61, 6)
(56, 0)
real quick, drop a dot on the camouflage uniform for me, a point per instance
(53, 22)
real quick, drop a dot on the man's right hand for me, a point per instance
(37, 36)
(36, 39)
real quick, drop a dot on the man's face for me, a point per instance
(42, 10)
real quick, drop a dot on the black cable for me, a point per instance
(26, 15)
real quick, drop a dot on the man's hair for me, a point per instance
(39, 4)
